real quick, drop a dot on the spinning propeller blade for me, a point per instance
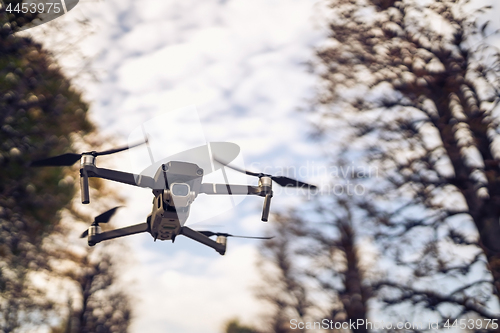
(117, 150)
(286, 181)
(61, 160)
(106, 216)
(250, 173)
(211, 233)
(280, 180)
(103, 218)
(69, 159)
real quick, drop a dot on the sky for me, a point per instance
(241, 68)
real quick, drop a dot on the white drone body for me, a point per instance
(175, 186)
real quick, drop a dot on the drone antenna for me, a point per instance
(146, 139)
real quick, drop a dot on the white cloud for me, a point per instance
(161, 68)
(174, 295)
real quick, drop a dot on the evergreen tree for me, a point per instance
(41, 115)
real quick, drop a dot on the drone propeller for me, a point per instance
(280, 180)
(69, 159)
(211, 233)
(103, 218)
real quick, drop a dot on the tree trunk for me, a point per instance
(484, 208)
(356, 295)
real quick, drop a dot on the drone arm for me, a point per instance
(199, 237)
(89, 170)
(131, 230)
(119, 176)
(229, 189)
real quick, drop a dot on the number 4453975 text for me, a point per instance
(34, 8)
(472, 324)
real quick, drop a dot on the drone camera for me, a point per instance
(180, 195)
(180, 190)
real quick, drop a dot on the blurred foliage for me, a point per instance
(234, 326)
(312, 269)
(41, 115)
(18, 19)
(102, 306)
(282, 286)
(411, 89)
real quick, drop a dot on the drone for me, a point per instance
(175, 185)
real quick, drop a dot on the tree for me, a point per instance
(41, 115)
(416, 99)
(234, 326)
(312, 269)
(92, 296)
(338, 268)
(38, 117)
(103, 307)
(283, 287)
(16, 18)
